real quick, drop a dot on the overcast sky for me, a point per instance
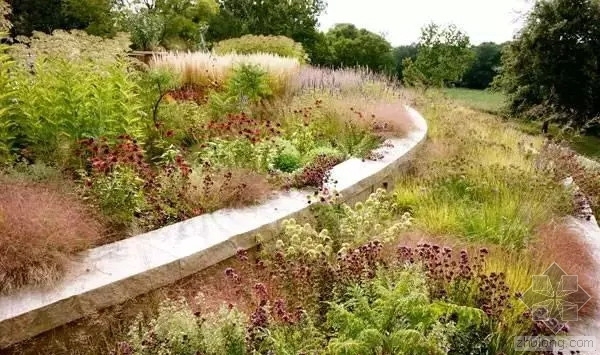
(401, 20)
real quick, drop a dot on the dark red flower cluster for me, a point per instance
(359, 264)
(316, 173)
(104, 157)
(308, 111)
(550, 327)
(190, 92)
(459, 276)
(243, 126)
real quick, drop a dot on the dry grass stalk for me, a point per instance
(207, 69)
(228, 189)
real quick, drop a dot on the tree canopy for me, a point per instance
(487, 63)
(552, 68)
(296, 19)
(172, 24)
(444, 55)
(401, 53)
(351, 46)
(49, 15)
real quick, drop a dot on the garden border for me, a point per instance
(113, 273)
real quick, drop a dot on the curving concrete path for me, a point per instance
(113, 273)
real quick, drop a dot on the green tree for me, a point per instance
(552, 70)
(49, 15)
(351, 46)
(296, 19)
(401, 53)
(487, 63)
(173, 24)
(95, 16)
(444, 55)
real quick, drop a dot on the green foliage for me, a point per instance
(394, 315)
(249, 83)
(443, 57)
(72, 90)
(76, 45)
(288, 159)
(224, 332)
(119, 195)
(352, 47)
(296, 19)
(50, 15)
(146, 29)
(400, 54)
(7, 106)
(171, 24)
(487, 63)
(489, 101)
(183, 121)
(322, 150)
(240, 153)
(249, 44)
(478, 184)
(69, 100)
(176, 330)
(95, 16)
(550, 70)
(302, 338)
(357, 141)
(377, 218)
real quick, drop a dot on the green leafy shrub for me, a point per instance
(288, 159)
(357, 141)
(7, 107)
(146, 29)
(70, 45)
(119, 195)
(249, 82)
(224, 332)
(325, 151)
(69, 96)
(249, 44)
(239, 153)
(394, 315)
(177, 330)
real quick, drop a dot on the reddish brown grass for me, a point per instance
(40, 229)
(559, 243)
(391, 120)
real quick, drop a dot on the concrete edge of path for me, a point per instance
(113, 273)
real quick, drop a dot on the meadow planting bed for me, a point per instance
(104, 148)
(130, 187)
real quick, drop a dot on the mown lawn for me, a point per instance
(482, 100)
(492, 102)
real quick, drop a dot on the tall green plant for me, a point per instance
(444, 55)
(394, 315)
(6, 104)
(65, 101)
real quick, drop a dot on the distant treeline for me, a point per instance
(479, 75)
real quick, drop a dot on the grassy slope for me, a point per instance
(492, 102)
(472, 181)
(487, 101)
